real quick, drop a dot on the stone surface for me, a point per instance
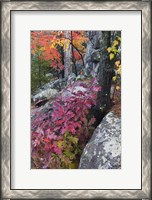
(49, 90)
(48, 93)
(103, 151)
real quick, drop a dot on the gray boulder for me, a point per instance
(48, 93)
(58, 84)
(49, 90)
(103, 151)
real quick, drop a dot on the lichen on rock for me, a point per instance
(103, 151)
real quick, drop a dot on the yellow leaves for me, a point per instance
(115, 43)
(117, 63)
(42, 49)
(114, 78)
(62, 42)
(118, 67)
(113, 50)
(119, 70)
(117, 87)
(109, 49)
(111, 56)
(57, 42)
(79, 41)
(52, 46)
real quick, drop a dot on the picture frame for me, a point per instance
(7, 7)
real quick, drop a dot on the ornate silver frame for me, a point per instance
(145, 7)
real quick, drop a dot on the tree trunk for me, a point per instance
(74, 68)
(98, 65)
(106, 71)
(67, 55)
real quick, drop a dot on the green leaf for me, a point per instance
(73, 139)
(69, 154)
(111, 56)
(60, 144)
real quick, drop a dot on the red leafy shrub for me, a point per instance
(60, 134)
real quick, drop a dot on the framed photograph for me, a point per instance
(76, 88)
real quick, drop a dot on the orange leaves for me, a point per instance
(45, 43)
(50, 45)
(51, 54)
(79, 39)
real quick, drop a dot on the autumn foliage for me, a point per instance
(58, 137)
(48, 45)
(60, 132)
